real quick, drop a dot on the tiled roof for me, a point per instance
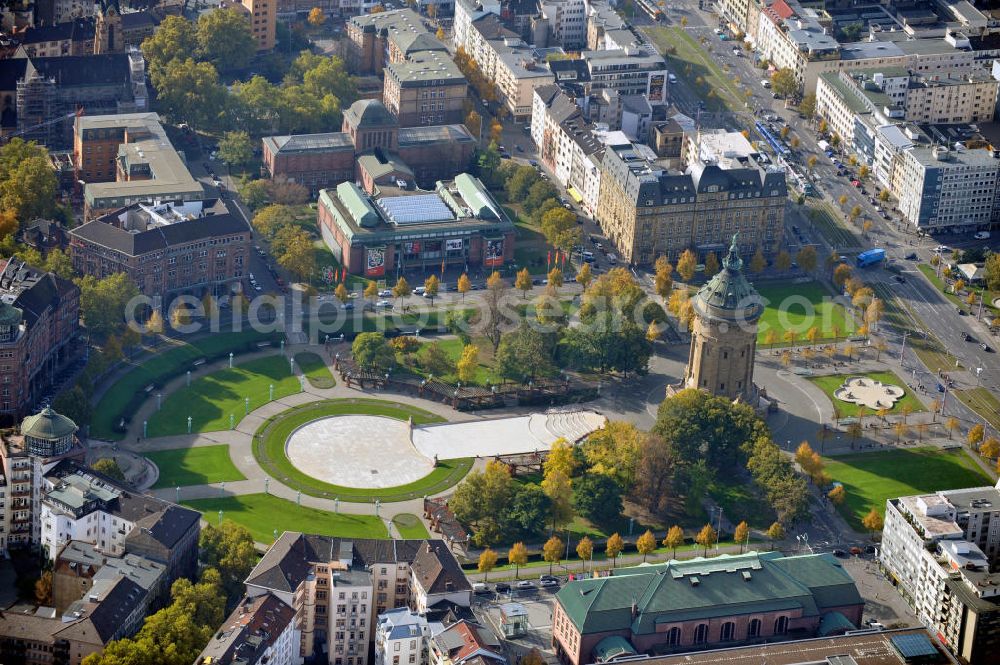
(105, 234)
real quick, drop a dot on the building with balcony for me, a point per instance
(942, 551)
(338, 587)
(401, 637)
(261, 631)
(702, 603)
(39, 322)
(194, 248)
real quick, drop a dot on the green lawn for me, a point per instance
(830, 383)
(453, 349)
(691, 61)
(316, 371)
(128, 393)
(194, 466)
(209, 400)
(872, 478)
(799, 307)
(262, 514)
(410, 526)
(269, 449)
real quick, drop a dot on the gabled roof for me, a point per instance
(437, 571)
(105, 617)
(464, 641)
(85, 70)
(105, 234)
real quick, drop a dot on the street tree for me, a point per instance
(837, 494)
(464, 285)
(103, 302)
(518, 555)
(229, 549)
(371, 291)
(468, 364)
(584, 276)
(552, 551)
(975, 435)
(686, 265)
(370, 349)
(990, 448)
(807, 106)
(236, 149)
(614, 547)
(707, 537)
(711, 264)
(431, 287)
(555, 278)
(497, 321)
(522, 282)
(741, 534)
(674, 539)
(663, 280)
(402, 288)
(873, 521)
(646, 544)
(585, 551)
(487, 562)
(341, 293)
(316, 17)
(784, 82)
(775, 532)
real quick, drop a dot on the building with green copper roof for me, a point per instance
(685, 605)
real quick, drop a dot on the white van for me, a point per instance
(765, 83)
(671, 78)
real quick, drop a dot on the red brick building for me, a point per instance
(704, 603)
(457, 225)
(39, 321)
(167, 249)
(320, 161)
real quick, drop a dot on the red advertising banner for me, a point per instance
(374, 261)
(494, 253)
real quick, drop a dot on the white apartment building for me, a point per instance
(401, 638)
(338, 587)
(939, 549)
(467, 11)
(567, 20)
(895, 94)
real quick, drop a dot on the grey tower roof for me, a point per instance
(728, 295)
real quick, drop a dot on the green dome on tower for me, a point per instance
(728, 295)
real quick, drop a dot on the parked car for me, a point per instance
(982, 235)
(384, 304)
(502, 587)
(840, 553)
(961, 312)
(966, 337)
(385, 293)
(899, 279)
(912, 256)
(549, 584)
(480, 588)
(870, 549)
(941, 249)
(525, 584)
(856, 182)
(855, 550)
(986, 347)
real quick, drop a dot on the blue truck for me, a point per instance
(871, 257)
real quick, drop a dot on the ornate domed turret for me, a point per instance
(48, 433)
(728, 295)
(724, 332)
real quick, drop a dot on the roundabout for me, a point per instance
(365, 452)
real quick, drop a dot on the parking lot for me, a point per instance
(538, 603)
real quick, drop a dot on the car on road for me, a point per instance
(348, 305)
(899, 279)
(856, 182)
(256, 287)
(961, 312)
(982, 235)
(986, 347)
(912, 256)
(840, 553)
(941, 249)
(502, 587)
(525, 585)
(871, 549)
(966, 337)
(765, 83)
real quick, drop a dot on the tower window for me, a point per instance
(722, 386)
(725, 355)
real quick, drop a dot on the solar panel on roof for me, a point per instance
(913, 645)
(415, 209)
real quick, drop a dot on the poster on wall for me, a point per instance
(656, 84)
(411, 248)
(454, 244)
(494, 253)
(374, 261)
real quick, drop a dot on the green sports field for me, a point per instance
(261, 514)
(872, 478)
(799, 307)
(210, 399)
(194, 466)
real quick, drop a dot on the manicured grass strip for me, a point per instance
(209, 400)
(194, 466)
(316, 371)
(688, 52)
(872, 478)
(270, 439)
(410, 526)
(830, 383)
(121, 398)
(262, 514)
(983, 402)
(799, 307)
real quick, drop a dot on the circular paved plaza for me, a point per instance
(357, 451)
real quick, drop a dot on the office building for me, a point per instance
(39, 323)
(458, 224)
(942, 551)
(701, 603)
(192, 248)
(126, 159)
(337, 587)
(565, 22)
(647, 210)
(262, 630)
